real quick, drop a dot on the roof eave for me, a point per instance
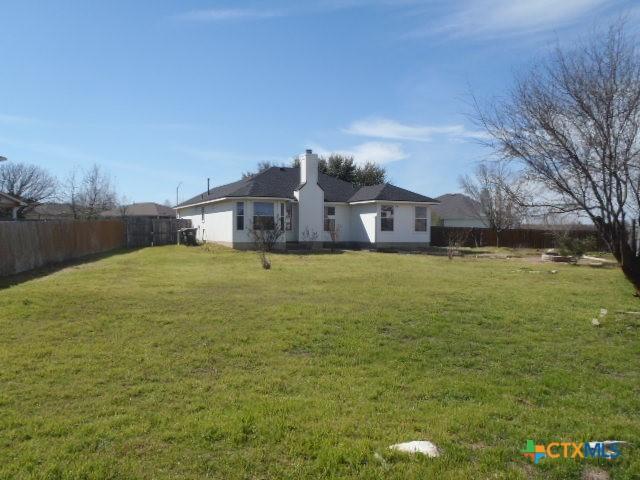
(362, 202)
(231, 198)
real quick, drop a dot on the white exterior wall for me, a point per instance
(220, 221)
(356, 223)
(217, 225)
(242, 236)
(310, 199)
(363, 222)
(292, 235)
(343, 223)
(403, 225)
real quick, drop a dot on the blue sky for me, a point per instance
(161, 92)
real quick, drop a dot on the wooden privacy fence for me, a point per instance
(149, 232)
(33, 244)
(514, 238)
(28, 245)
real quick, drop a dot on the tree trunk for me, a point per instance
(630, 265)
(497, 239)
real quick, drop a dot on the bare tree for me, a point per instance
(89, 192)
(123, 206)
(265, 235)
(334, 234)
(31, 183)
(573, 124)
(71, 189)
(309, 238)
(456, 238)
(495, 190)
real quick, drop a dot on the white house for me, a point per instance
(308, 205)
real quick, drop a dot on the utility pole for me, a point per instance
(177, 190)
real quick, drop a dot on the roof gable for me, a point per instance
(389, 192)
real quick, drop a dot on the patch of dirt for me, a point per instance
(593, 473)
(477, 446)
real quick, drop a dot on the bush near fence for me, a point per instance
(514, 238)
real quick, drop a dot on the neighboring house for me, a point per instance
(308, 204)
(10, 205)
(458, 210)
(50, 211)
(146, 209)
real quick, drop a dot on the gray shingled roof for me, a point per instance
(456, 205)
(280, 182)
(13, 199)
(144, 209)
(388, 192)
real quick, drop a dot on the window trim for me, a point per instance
(239, 216)
(272, 223)
(425, 218)
(282, 217)
(289, 216)
(391, 217)
(329, 218)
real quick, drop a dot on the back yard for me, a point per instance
(178, 363)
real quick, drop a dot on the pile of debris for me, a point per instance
(552, 255)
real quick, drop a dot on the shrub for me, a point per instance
(569, 245)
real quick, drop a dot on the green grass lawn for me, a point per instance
(183, 363)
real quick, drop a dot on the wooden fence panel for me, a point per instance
(147, 232)
(514, 238)
(28, 245)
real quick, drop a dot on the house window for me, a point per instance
(202, 214)
(282, 216)
(240, 216)
(386, 218)
(289, 215)
(263, 216)
(329, 219)
(421, 219)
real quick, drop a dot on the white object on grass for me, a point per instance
(603, 312)
(595, 322)
(417, 446)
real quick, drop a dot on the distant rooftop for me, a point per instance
(144, 209)
(456, 205)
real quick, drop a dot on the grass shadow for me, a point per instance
(305, 252)
(18, 278)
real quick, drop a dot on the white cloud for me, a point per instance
(376, 152)
(53, 150)
(391, 129)
(227, 14)
(17, 120)
(487, 18)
